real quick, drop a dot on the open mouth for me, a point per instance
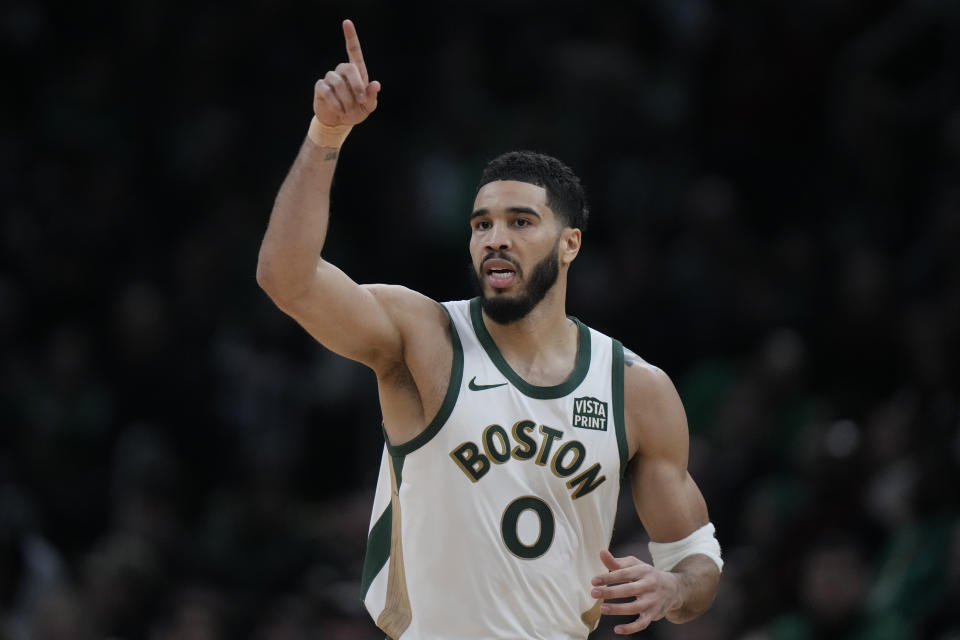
(498, 272)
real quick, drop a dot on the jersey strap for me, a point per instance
(618, 414)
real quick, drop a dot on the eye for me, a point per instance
(482, 225)
(522, 222)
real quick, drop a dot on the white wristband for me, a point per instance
(666, 555)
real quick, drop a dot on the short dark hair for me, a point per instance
(565, 194)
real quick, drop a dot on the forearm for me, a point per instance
(698, 577)
(298, 224)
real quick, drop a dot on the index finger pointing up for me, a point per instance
(354, 54)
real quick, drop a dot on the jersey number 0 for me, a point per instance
(511, 535)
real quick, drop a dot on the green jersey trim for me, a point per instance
(378, 550)
(449, 401)
(618, 419)
(378, 542)
(580, 368)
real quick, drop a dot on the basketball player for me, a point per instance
(508, 424)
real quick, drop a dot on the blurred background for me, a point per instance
(775, 190)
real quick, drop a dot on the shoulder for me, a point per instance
(656, 423)
(644, 380)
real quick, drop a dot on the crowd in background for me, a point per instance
(775, 189)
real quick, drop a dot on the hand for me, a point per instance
(345, 96)
(655, 592)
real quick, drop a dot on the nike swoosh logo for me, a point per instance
(473, 386)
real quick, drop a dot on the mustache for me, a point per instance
(500, 255)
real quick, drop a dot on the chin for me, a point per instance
(498, 293)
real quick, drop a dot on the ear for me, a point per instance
(569, 245)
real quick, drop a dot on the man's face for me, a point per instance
(514, 245)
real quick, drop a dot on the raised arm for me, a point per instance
(358, 322)
(684, 581)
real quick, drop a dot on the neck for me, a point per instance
(542, 346)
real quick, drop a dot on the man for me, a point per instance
(508, 423)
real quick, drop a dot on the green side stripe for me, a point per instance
(378, 550)
(449, 400)
(398, 468)
(618, 420)
(580, 368)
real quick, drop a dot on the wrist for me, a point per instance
(327, 136)
(676, 599)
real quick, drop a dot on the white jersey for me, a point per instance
(490, 523)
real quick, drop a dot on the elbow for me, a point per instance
(285, 285)
(274, 283)
(266, 277)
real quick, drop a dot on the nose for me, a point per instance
(497, 238)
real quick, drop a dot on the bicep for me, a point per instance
(360, 322)
(666, 497)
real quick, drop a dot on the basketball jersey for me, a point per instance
(490, 523)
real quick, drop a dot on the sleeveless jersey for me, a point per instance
(490, 523)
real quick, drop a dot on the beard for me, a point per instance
(503, 309)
